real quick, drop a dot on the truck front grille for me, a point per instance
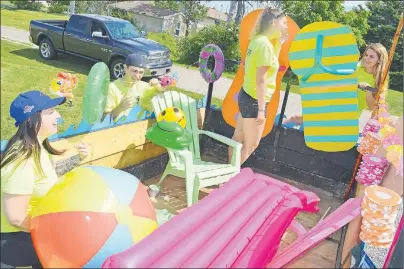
(159, 57)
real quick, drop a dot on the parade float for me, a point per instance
(284, 207)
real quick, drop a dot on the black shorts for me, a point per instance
(248, 105)
(17, 250)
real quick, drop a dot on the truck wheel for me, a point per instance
(46, 49)
(117, 68)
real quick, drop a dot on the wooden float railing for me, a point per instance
(118, 147)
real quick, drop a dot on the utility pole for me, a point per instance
(233, 5)
(240, 11)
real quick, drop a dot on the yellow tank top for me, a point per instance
(25, 179)
(260, 53)
(363, 76)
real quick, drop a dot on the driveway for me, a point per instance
(189, 79)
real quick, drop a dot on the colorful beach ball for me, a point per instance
(92, 213)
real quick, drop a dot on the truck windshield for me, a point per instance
(121, 30)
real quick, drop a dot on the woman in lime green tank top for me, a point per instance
(261, 68)
(27, 173)
(370, 71)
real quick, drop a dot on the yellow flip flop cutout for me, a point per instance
(324, 56)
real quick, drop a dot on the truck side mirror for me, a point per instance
(99, 34)
(143, 33)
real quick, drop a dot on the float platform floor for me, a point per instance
(173, 199)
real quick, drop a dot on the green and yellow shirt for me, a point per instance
(260, 53)
(363, 76)
(23, 178)
(120, 88)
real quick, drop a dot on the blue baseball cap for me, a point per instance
(137, 60)
(28, 103)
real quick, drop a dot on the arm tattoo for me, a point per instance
(64, 166)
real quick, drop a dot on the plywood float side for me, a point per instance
(129, 157)
(118, 147)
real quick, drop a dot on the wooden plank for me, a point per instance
(129, 157)
(118, 147)
(110, 141)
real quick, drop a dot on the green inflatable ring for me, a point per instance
(95, 93)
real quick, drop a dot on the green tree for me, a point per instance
(306, 12)
(224, 35)
(27, 4)
(56, 6)
(194, 11)
(383, 21)
(357, 19)
(93, 7)
(167, 4)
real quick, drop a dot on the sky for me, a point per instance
(224, 5)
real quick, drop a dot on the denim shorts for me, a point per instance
(248, 105)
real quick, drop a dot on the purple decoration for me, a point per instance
(204, 54)
(216, 52)
(208, 77)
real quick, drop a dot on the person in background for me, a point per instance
(28, 173)
(124, 93)
(370, 70)
(261, 68)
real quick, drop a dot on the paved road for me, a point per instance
(189, 79)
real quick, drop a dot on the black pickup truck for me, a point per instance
(99, 38)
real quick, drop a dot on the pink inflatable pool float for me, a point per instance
(239, 225)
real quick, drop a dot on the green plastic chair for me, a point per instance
(187, 163)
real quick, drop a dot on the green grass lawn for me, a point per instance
(23, 69)
(395, 102)
(21, 18)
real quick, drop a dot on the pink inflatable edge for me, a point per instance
(240, 224)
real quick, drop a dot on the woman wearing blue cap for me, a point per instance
(124, 93)
(27, 173)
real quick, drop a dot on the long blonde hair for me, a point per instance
(381, 65)
(265, 20)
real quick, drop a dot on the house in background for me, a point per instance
(153, 19)
(212, 17)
